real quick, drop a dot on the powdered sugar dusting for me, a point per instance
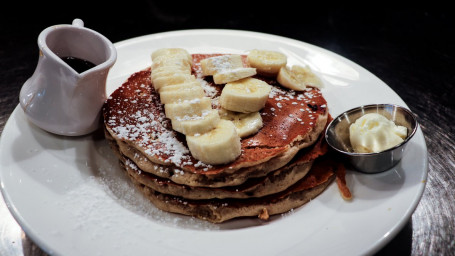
(194, 117)
(176, 152)
(210, 91)
(144, 124)
(222, 63)
(109, 198)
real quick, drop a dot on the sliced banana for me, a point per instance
(171, 68)
(266, 62)
(168, 62)
(168, 51)
(230, 75)
(246, 124)
(311, 79)
(221, 145)
(181, 86)
(168, 72)
(246, 95)
(176, 78)
(188, 108)
(213, 65)
(181, 94)
(172, 52)
(164, 58)
(196, 124)
(298, 78)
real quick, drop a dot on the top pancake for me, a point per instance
(292, 120)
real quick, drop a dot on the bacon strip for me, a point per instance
(341, 182)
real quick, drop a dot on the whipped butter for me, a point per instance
(374, 133)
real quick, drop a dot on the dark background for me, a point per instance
(410, 49)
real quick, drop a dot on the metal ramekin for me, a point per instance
(337, 136)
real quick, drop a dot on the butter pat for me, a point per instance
(374, 133)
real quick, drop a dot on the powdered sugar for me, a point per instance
(173, 148)
(194, 117)
(222, 63)
(151, 134)
(209, 90)
(109, 197)
(129, 131)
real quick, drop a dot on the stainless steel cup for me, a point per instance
(337, 136)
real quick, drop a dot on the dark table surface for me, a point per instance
(411, 50)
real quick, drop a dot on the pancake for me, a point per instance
(135, 119)
(281, 167)
(273, 182)
(221, 210)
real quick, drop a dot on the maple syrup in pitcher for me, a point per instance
(80, 65)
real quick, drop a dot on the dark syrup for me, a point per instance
(80, 65)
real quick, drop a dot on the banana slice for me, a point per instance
(173, 53)
(182, 86)
(230, 75)
(266, 62)
(168, 72)
(310, 78)
(219, 146)
(181, 93)
(213, 65)
(188, 108)
(246, 95)
(168, 51)
(246, 124)
(164, 58)
(167, 62)
(175, 68)
(176, 78)
(298, 78)
(196, 124)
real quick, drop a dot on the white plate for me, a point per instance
(70, 196)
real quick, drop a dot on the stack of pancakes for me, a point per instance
(281, 167)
